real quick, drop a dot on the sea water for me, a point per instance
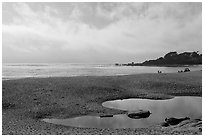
(24, 70)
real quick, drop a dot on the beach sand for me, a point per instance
(25, 102)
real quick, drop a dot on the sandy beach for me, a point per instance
(25, 102)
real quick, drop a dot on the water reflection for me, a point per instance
(160, 109)
(117, 121)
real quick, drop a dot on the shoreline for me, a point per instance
(26, 101)
(18, 78)
(173, 65)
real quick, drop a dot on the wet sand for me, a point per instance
(26, 101)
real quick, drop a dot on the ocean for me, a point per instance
(25, 70)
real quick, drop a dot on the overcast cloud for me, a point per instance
(98, 32)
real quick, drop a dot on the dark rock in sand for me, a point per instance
(8, 105)
(175, 121)
(139, 114)
(165, 124)
(102, 116)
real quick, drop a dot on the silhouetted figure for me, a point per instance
(186, 70)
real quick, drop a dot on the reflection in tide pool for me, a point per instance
(177, 107)
(117, 121)
(160, 109)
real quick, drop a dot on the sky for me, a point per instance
(98, 32)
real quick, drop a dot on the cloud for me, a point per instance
(99, 32)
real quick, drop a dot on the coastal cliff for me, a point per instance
(172, 59)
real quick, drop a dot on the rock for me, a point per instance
(139, 114)
(200, 129)
(102, 116)
(8, 105)
(165, 124)
(175, 121)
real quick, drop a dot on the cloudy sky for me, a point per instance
(98, 32)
